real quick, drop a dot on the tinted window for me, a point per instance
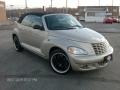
(36, 20)
(31, 20)
(27, 21)
(61, 22)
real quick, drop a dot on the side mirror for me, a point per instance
(38, 27)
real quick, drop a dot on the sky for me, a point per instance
(59, 3)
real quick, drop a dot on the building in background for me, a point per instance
(86, 13)
(97, 13)
(2, 12)
(18, 12)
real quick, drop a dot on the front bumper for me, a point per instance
(85, 63)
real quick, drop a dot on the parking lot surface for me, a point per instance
(27, 71)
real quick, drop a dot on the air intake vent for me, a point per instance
(99, 48)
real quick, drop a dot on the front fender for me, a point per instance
(54, 42)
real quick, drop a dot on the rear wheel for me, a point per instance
(59, 62)
(17, 44)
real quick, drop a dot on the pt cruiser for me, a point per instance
(62, 40)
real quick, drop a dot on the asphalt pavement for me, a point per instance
(27, 71)
(102, 27)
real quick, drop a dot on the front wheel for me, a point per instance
(59, 62)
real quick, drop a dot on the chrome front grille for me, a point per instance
(99, 48)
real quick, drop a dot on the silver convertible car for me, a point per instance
(62, 40)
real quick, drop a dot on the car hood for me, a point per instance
(81, 35)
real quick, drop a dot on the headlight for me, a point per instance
(77, 51)
(107, 43)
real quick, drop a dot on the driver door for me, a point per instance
(37, 36)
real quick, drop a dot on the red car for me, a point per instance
(115, 20)
(108, 20)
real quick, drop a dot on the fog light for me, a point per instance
(109, 58)
(84, 66)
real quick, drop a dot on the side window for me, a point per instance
(27, 21)
(36, 20)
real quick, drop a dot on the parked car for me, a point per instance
(115, 20)
(13, 18)
(108, 20)
(81, 18)
(62, 40)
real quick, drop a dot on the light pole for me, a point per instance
(99, 2)
(78, 3)
(112, 7)
(112, 2)
(51, 3)
(26, 5)
(66, 6)
(11, 16)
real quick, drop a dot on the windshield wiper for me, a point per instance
(59, 27)
(77, 26)
(69, 28)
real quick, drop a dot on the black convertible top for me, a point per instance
(31, 13)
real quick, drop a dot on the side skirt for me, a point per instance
(33, 49)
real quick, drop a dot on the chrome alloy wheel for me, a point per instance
(60, 63)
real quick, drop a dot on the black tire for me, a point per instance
(17, 44)
(59, 62)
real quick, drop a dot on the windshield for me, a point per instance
(62, 22)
